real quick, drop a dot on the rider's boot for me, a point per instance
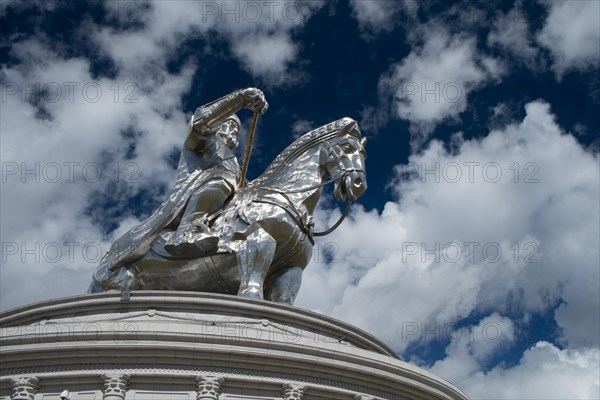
(193, 237)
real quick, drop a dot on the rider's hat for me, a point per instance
(235, 118)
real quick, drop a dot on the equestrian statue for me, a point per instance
(214, 233)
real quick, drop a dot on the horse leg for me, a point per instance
(283, 286)
(254, 258)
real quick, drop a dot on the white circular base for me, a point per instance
(164, 345)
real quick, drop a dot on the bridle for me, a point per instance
(345, 171)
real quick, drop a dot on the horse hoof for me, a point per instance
(251, 294)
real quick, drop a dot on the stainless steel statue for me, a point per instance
(211, 235)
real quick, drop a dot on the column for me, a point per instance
(24, 388)
(293, 391)
(209, 387)
(115, 385)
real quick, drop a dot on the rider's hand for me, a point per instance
(254, 99)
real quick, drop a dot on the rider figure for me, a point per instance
(210, 146)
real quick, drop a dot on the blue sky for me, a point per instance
(475, 251)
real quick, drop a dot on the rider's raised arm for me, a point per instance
(208, 117)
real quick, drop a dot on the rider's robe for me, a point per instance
(195, 168)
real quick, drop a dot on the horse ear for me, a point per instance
(363, 141)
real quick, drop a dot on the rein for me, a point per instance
(339, 221)
(322, 233)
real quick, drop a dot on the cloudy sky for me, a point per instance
(475, 251)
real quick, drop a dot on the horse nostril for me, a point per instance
(358, 182)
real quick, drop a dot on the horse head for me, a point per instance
(345, 161)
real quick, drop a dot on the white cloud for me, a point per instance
(532, 194)
(265, 55)
(544, 372)
(380, 16)
(265, 46)
(472, 346)
(78, 158)
(260, 34)
(572, 34)
(510, 32)
(301, 126)
(432, 83)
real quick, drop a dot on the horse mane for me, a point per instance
(303, 143)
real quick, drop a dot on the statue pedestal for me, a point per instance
(165, 345)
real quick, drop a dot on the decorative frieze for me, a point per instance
(293, 391)
(209, 387)
(115, 385)
(24, 388)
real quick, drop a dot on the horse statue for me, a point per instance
(265, 230)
